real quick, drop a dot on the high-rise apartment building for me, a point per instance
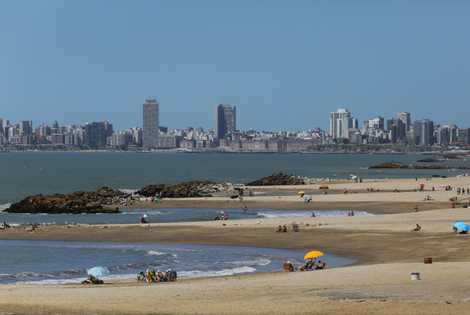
(335, 121)
(26, 127)
(225, 120)
(406, 119)
(96, 133)
(150, 132)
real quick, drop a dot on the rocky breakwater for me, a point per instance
(183, 190)
(88, 202)
(278, 180)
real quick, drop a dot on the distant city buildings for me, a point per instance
(225, 120)
(224, 137)
(150, 123)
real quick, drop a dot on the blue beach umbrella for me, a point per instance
(98, 271)
(462, 226)
(144, 216)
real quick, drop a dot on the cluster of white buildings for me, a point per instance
(344, 129)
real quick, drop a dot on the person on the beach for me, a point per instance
(226, 217)
(279, 229)
(352, 213)
(416, 208)
(284, 229)
(89, 279)
(245, 208)
(142, 220)
(150, 275)
(417, 228)
(289, 265)
(313, 215)
(140, 276)
(159, 276)
(308, 264)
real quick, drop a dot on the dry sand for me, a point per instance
(387, 251)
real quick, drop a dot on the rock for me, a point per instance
(78, 202)
(277, 180)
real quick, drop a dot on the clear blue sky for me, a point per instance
(285, 64)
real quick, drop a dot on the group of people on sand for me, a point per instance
(93, 280)
(462, 191)
(222, 217)
(351, 214)
(282, 229)
(151, 276)
(4, 226)
(310, 264)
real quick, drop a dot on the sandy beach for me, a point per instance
(386, 249)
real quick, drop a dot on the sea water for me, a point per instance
(38, 262)
(25, 174)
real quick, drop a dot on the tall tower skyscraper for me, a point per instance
(335, 121)
(406, 119)
(225, 120)
(150, 131)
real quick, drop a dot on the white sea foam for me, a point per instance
(3, 207)
(259, 262)
(154, 253)
(210, 273)
(307, 214)
(128, 191)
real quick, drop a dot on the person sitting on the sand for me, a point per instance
(284, 229)
(150, 275)
(279, 229)
(159, 276)
(320, 265)
(226, 217)
(89, 279)
(417, 228)
(308, 264)
(289, 265)
(140, 276)
(5, 225)
(313, 215)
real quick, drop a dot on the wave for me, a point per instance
(214, 273)
(257, 262)
(307, 214)
(5, 206)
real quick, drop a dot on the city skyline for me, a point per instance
(293, 62)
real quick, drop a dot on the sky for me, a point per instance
(285, 65)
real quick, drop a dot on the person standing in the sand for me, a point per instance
(245, 208)
(416, 208)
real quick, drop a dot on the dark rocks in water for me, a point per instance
(277, 180)
(183, 190)
(88, 202)
(417, 167)
(431, 160)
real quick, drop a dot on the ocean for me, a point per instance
(24, 174)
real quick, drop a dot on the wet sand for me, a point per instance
(386, 248)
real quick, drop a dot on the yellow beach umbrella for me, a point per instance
(313, 254)
(301, 192)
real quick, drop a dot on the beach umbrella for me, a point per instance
(421, 185)
(301, 192)
(442, 185)
(97, 271)
(313, 254)
(144, 216)
(462, 226)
